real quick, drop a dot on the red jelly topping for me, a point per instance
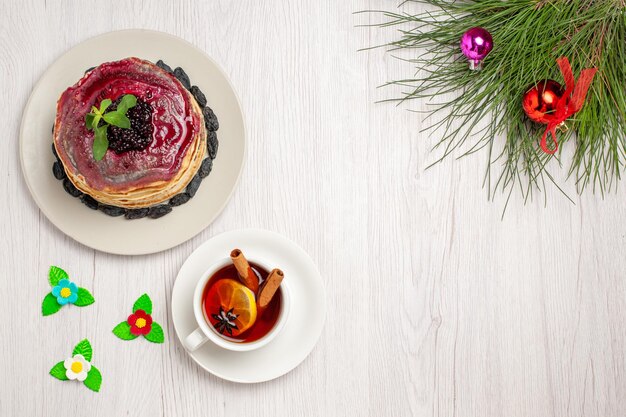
(175, 125)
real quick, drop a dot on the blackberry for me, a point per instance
(139, 136)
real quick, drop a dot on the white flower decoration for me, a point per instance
(77, 367)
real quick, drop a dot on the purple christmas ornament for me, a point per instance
(476, 43)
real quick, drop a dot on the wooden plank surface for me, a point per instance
(436, 306)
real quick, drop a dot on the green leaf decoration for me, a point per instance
(100, 142)
(156, 334)
(104, 104)
(50, 305)
(84, 298)
(143, 303)
(117, 119)
(83, 348)
(126, 103)
(122, 331)
(89, 118)
(58, 371)
(94, 379)
(56, 274)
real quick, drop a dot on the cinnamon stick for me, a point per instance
(246, 274)
(269, 288)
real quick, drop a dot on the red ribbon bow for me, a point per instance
(571, 101)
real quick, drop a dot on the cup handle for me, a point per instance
(195, 340)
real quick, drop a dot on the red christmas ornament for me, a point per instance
(567, 104)
(540, 101)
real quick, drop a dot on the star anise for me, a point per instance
(225, 321)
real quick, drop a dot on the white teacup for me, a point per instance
(205, 330)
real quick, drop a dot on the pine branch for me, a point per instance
(528, 36)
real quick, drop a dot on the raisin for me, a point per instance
(212, 144)
(164, 66)
(71, 190)
(182, 76)
(58, 171)
(198, 95)
(205, 168)
(159, 211)
(89, 69)
(132, 214)
(210, 119)
(90, 202)
(193, 186)
(179, 199)
(112, 210)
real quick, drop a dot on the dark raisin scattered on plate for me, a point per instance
(139, 136)
(132, 214)
(58, 171)
(205, 168)
(164, 66)
(54, 151)
(71, 189)
(90, 202)
(182, 76)
(198, 95)
(112, 210)
(193, 186)
(159, 211)
(210, 119)
(212, 144)
(179, 199)
(89, 69)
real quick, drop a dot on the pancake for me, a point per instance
(135, 178)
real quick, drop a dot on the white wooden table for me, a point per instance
(436, 307)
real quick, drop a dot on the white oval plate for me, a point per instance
(116, 234)
(302, 329)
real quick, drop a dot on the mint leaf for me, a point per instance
(84, 298)
(50, 305)
(94, 379)
(117, 119)
(89, 118)
(83, 348)
(143, 303)
(126, 103)
(58, 371)
(56, 274)
(122, 331)
(156, 334)
(96, 121)
(100, 143)
(104, 104)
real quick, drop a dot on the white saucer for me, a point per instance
(306, 318)
(116, 234)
